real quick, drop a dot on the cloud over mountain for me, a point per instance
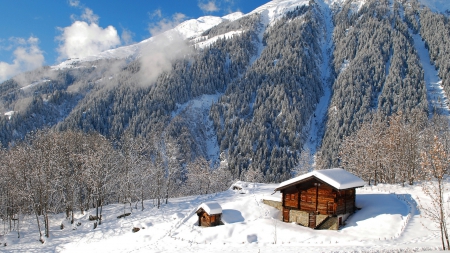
(85, 37)
(27, 56)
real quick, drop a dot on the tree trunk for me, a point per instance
(142, 200)
(39, 226)
(47, 230)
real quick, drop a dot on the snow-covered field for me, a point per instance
(389, 221)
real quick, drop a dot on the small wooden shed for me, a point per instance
(318, 197)
(209, 214)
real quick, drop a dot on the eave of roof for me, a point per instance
(211, 208)
(337, 178)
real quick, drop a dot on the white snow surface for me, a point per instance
(233, 16)
(337, 177)
(195, 27)
(211, 207)
(9, 114)
(34, 84)
(388, 221)
(437, 99)
(276, 9)
(436, 5)
(208, 42)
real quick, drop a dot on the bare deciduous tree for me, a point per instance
(435, 164)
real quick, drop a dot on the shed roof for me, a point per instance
(337, 178)
(211, 208)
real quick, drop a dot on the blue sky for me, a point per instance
(36, 33)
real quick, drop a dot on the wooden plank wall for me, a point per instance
(330, 201)
(346, 202)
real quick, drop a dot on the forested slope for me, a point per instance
(378, 70)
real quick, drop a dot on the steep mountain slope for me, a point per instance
(292, 75)
(377, 69)
(380, 38)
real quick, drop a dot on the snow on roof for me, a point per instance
(337, 178)
(211, 208)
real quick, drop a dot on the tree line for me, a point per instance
(391, 151)
(52, 172)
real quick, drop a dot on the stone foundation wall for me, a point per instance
(302, 217)
(273, 203)
(299, 217)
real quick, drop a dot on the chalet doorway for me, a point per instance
(286, 215)
(312, 220)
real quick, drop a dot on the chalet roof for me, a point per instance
(337, 178)
(211, 208)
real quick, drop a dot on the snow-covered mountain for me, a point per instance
(290, 75)
(193, 28)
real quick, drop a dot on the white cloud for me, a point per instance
(166, 23)
(127, 36)
(85, 38)
(89, 16)
(156, 14)
(27, 56)
(208, 6)
(159, 54)
(74, 3)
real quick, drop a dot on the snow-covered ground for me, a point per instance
(389, 221)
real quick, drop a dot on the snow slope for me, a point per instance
(436, 5)
(276, 9)
(197, 112)
(388, 221)
(437, 99)
(316, 122)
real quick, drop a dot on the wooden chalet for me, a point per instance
(209, 214)
(320, 199)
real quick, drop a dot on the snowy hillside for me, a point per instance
(388, 221)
